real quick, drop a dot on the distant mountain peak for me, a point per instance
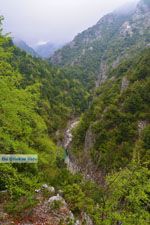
(23, 46)
(46, 49)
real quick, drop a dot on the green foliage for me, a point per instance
(75, 197)
(55, 205)
(127, 199)
(37, 99)
(114, 116)
(146, 137)
(62, 90)
(23, 127)
(17, 207)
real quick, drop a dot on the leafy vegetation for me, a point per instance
(119, 121)
(115, 116)
(36, 101)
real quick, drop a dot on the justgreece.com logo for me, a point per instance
(17, 158)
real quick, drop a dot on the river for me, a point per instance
(71, 165)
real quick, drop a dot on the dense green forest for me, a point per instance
(23, 127)
(37, 99)
(118, 120)
(119, 117)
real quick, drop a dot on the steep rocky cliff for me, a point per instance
(115, 36)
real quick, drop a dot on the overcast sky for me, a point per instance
(37, 21)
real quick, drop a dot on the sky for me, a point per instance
(57, 21)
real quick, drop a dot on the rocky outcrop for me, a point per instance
(141, 125)
(116, 62)
(89, 140)
(126, 29)
(124, 84)
(86, 219)
(50, 189)
(72, 166)
(102, 74)
(68, 133)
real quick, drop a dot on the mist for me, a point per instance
(56, 21)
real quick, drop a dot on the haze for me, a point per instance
(57, 21)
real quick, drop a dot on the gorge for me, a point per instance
(85, 113)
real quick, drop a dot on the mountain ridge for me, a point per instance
(47, 50)
(23, 46)
(111, 39)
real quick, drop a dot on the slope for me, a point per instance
(101, 47)
(22, 45)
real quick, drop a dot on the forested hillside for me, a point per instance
(109, 147)
(36, 100)
(23, 127)
(22, 45)
(115, 129)
(112, 140)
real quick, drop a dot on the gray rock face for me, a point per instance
(102, 74)
(126, 29)
(44, 186)
(72, 166)
(56, 198)
(68, 133)
(124, 84)
(141, 125)
(116, 62)
(87, 219)
(89, 140)
(48, 188)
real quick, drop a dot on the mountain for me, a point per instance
(47, 50)
(112, 131)
(22, 45)
(101, 47)
(92, 142)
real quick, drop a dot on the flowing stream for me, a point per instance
(72, 167)
(89, 171)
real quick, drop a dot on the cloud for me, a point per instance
(53, 20)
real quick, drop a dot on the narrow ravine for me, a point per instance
(88, 170)
(71, 165)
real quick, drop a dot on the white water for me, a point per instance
(72, 167)
(68, 133)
